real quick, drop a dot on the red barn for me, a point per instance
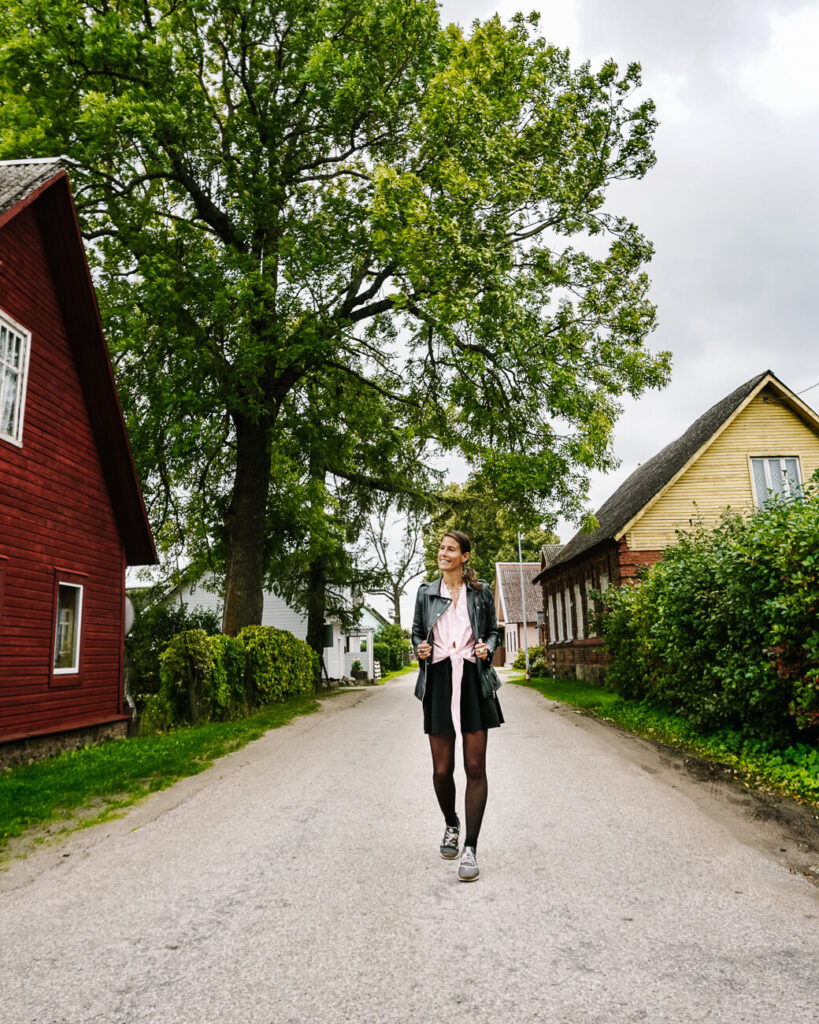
(71, 512)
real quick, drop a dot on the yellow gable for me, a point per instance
(720, 474)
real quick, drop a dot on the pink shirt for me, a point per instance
(452, 638)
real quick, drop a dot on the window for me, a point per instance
(590, 606)
(578, 603)
(567, 604)
(67, 630)
(560, 633)
(13, 371)
(552, 619)
(776, 476)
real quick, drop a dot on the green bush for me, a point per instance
(278, 665)
(153, 628)
(215, 678)
(724, 631)
(397, 640)
(381, 653)
(539, 664)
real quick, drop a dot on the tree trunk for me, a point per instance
(245, 526)
(396, 605)
(316, 598)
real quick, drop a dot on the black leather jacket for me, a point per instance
(430, 606)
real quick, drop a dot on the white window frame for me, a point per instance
(588, 584)
(578, 601)
(8, 326)
(552, 619)
(75, 667)
(766, 460)
(561, 632)
(567, 604)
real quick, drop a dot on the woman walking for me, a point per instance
(455, 633)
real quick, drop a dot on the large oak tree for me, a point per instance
(339, 211)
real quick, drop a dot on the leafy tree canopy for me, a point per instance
(491, 526)
(338, 215)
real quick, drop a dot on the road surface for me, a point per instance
(299, 880)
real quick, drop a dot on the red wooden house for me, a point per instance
(71, 512)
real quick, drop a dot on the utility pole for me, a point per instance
(523, 599)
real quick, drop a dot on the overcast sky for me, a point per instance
(732, 206)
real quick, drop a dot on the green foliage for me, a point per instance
(489, 522)
(356, 666)
(724, 630)
(397, 640)
(409, 267)
(153, 628)
(278, 665)
(383, 655)
(539, 664)
(216, 678)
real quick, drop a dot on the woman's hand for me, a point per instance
(481, 650)
(423, 650)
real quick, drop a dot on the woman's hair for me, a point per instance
(465, 544)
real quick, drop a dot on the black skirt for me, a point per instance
(477, 712)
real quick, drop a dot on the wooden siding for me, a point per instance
(55, 514)
(721, 476)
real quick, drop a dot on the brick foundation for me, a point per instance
(35, 748)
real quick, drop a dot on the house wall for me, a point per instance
(721, 476)
(277, 613)
(56, 521)
(571, 644)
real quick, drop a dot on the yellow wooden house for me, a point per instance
(760, 440)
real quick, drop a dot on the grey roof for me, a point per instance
(647, 480)
(19, 178)
(549, 552)
(508, 578)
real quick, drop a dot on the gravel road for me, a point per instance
(299, 880)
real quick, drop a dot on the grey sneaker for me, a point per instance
(468, 870)
(449, 844)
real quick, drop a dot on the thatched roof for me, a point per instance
(648, 479)
(507, 580)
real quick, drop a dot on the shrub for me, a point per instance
(724, 630)
(397, 640)
(381, 653)
(538, 661)
(153, 628)
(277, 666)
(356, 666)
(220, 677)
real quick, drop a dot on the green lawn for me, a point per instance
(791, 769)
(116, 774)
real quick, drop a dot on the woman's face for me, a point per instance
(450, 556)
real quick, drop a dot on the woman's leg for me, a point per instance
(443, 774)
(477, 787)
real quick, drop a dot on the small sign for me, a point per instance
(376, 670)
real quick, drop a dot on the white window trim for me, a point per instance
(589, 605)
(567, 604)
(10, 324)
(75, 668)
(560, 619)
(766, 460)
(552, 619)
(578, 601)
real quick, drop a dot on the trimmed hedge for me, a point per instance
(216, 678)
(725, 629)
(381, 653)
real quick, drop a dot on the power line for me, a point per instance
(816, 385)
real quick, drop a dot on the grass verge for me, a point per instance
(114, 775)
(791, 770)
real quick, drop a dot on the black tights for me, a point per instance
(477, 788)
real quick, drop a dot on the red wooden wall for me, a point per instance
(55, 517)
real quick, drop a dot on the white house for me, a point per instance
(516, 628)
(341, 649)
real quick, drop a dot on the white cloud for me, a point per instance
(785, 77)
